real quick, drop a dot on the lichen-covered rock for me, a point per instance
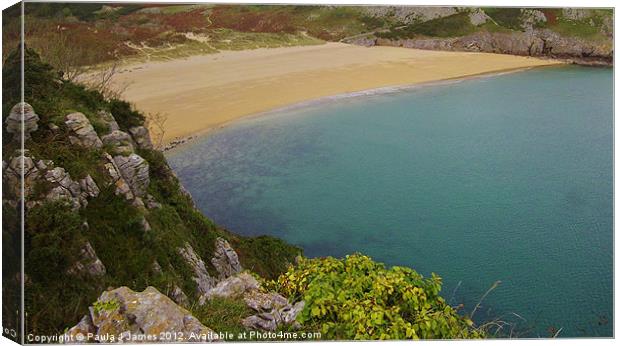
(12, 176)
(151, 203)
(179, 296)
(273, 311)
(142, 137)
(272, 320)
(225, 259)
(478, 17)
(135, 170)
(22, 114)
(108, 118)
(80, 332)
(89, 263)
(84, 133)
(233, 287)
(122, 315)
(531, 17)
(89, 187)
(63, 187)
(120, 142)
(122, 188)
(260, 301)
(202, 278)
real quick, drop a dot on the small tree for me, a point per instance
(155, 123)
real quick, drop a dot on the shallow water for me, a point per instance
(501, 178)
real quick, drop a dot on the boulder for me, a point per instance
(202, 278)
(89, 187)
(478, 17)
(179, 296)
(271, 321)
(141, 136)
(22, 114)
(122, 315)
(122, 187)
(63, 187)
(79, 333)
(225, 259)
(120, 142)
(12, 176)
(233, 287)
(260, 301)
(135, 170)
(109, 120)
(84, 133)
(89, 263)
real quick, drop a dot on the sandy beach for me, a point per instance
(205, 92)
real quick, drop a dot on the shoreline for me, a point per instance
(180, 143)
(202, 93)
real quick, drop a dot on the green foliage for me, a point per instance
(125, 115)
(267, 256)
(53, 239)
(357, 298)
(507, 17)
(109, 305)
(450, 26)
(222, 314)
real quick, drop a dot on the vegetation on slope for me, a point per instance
(357, 298)
(54, 232)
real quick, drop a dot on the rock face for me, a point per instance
(122, 315)
(533, 42)
(135, 170)
(21, 162)
(108, 118)
(202, 278)
(14, 120)
(122, 188)
(84, 133)
(59, 183)
(141, 136)
(233, 287)
(120, 142)
(89, 263)
(225, 259)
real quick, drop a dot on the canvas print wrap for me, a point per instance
(233, 172)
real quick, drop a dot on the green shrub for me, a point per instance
(125, 115)
(357, 298)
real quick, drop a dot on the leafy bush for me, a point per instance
(125, 116)
(357, 298)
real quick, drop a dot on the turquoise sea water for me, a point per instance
(501, 178)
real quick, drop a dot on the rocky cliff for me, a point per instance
(580, 36)
(103, 210)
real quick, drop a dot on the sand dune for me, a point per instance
(205, 92)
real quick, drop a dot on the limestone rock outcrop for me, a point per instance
(122, 315)
(202, 278)
(233, 287)
(141, 136)
(135, 170)
(84, 133)
(22, 114)
(109, 120)
(225, 259)
(60, 185)
(89, 263)
(120, 142)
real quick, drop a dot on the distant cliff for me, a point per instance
(581, 36)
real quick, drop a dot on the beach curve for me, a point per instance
(202, 93)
